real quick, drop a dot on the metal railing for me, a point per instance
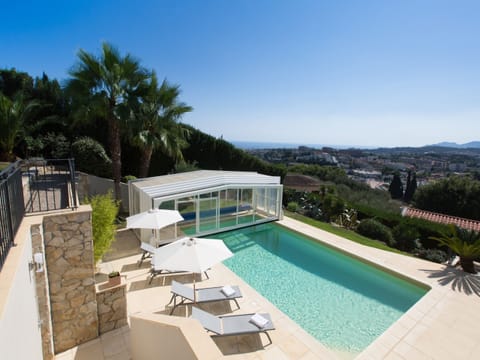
(51, 185)
(12, 207)
(30, 186)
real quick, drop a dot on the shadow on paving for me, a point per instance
(164, 280)
(125, 244)
(228, 345)
(47, 192)
(135, 266)
(458, 279)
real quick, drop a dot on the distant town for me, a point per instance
(376, 167)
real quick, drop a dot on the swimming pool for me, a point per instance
(343, 302)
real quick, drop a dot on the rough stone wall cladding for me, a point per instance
(69, 259)
(112, 308)
(42, 296)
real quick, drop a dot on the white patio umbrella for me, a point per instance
(195, 255)
(154, 219)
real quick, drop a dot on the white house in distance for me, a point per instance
(210, 201)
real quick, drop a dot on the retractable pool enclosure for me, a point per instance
(210, 201)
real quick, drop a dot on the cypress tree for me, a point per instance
(396, 187)
(411, 187)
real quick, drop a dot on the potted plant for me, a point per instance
(114, 278)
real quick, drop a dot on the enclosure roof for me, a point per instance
(166, 185)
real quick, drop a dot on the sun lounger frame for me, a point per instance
(230, 325)
(204, 295)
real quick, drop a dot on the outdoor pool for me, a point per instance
(343, 302)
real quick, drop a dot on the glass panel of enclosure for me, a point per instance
(187, 207)
(168, 232)
(214, 211)
(247, 206)
(273, 202)
(229, 208)
(208, 212)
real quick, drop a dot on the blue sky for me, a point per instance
(338, 72)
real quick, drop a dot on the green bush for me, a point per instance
(406, 237)
(292, 206)
(127, 178)
(375, 230)
(104, 212)
(55, 146)
(90, 157)
(435, 255)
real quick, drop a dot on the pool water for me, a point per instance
(343, 302)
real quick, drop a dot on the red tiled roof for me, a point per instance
(442, 218)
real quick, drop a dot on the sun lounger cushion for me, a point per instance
(259, 320)
(228, 290)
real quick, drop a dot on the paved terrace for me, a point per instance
(444, 324)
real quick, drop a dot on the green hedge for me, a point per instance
(376, 230)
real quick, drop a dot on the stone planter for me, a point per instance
(114, 281)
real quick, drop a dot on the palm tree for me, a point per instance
(101, 87)
(13, 116)
(465, 243)
(156, 125)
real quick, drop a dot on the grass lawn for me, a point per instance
(345, 233)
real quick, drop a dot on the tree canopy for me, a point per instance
(396, 187)
(455, 195)
(105, 87)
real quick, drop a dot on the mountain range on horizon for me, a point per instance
(471, 144)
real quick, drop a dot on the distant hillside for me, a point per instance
(469, 145)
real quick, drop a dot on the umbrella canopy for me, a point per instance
(191, 254)
(153, 219)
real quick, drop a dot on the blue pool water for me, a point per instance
(343, 302)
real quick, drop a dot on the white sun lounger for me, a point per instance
(203, 295)
(232, 324)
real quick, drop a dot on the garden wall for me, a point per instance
(70, 271)
(90, 185)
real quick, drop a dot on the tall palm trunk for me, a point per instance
(145, 158)
(116, 154)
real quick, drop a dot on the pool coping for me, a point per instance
(421, 331)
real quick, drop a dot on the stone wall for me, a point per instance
(112, 307)
(41, 288)
(70, 271)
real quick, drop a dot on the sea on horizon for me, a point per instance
(251, 145)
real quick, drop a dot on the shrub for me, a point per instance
(90, 156)
(406, 237)
(104, 212)
(55, 146)
(332, 207)
(292, 206)
(375, 230)
(127, 178)
(435, 255)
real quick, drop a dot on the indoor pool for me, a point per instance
(343, 302)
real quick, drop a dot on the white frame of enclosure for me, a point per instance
(266, 205)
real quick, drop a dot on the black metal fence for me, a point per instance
(51, 185)
(31, 186)
(12, 207)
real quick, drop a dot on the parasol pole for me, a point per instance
(194, 292)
